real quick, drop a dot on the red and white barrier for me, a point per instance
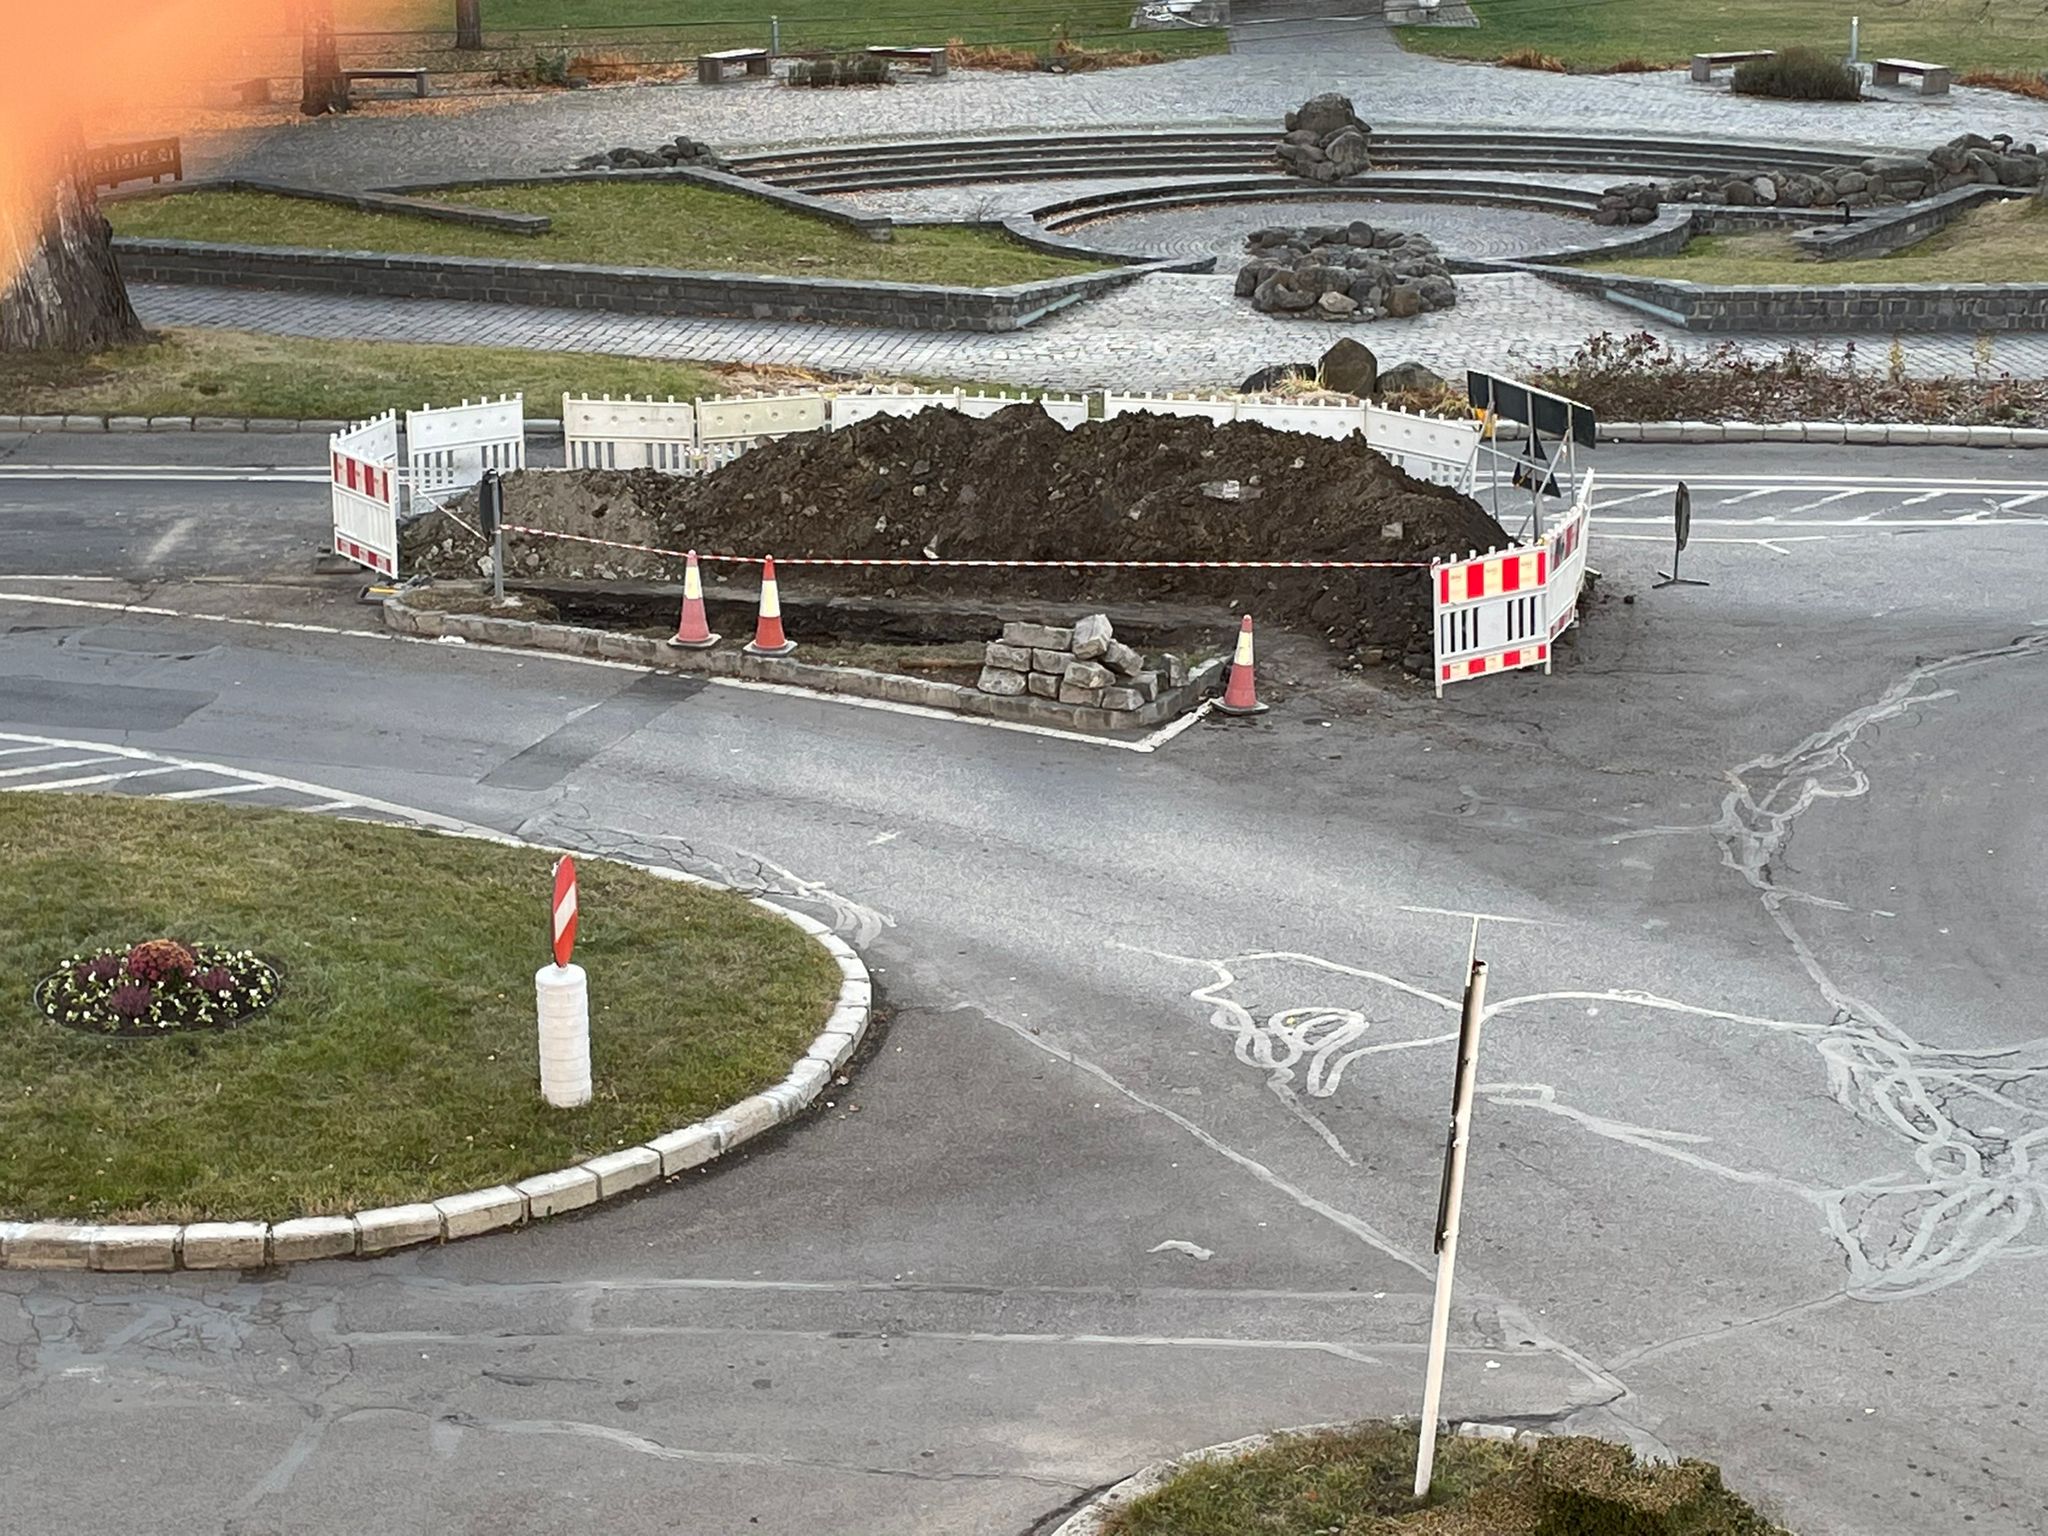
(363, 464)
(1503, 610)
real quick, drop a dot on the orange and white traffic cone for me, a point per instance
(769, 639)
(1240, 692)
(693, 629)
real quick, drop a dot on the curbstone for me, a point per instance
(687, 1148)
(1825, 431)
(1742, 432)
(50, 1245)
(170, 424)
(1865, 432)
(86, 423)
(806, 1080)
(312, 1237)
(617, 1172)
(397, 1226)
(1784, 432)
(11, 424)
(42, 423)
(566, 1189)
(137, 1248)
(227, 1245)
(2030, 437)
(1660, 432)
(747, 1119)
(220, 424)
(1911, 434)
(1953, 437)
(848, 1019)
(833, 1050)
(125, 424)
(481, 1210)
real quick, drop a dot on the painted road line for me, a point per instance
(210, 793)
(1858, 525)
(155, 476)
(69, 762)
(1144, 744)
(88, 780)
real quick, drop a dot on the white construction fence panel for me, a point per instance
(1068, 410)
(363, 463)
(630, 434)
(1439, 449)
(1504, 610)
(743, 418)
(1207, 406)
(850, 409)
(448, 448)
(1317, 418)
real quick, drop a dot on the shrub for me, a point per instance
(2019, 84)
(1799, 74)
(1531, 58)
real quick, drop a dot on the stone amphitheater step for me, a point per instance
(1074, 211)
(875, 167)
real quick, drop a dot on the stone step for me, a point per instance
(1082, 210)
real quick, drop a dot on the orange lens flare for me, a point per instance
(115, 69)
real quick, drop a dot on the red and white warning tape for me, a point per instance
(1103, 565)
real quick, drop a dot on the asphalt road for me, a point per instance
(1752, 1175)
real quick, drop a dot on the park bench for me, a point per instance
(152, 159)
(1934, 78)
(933, 59)
(711, 67)
(1704, 64)
(418, 77)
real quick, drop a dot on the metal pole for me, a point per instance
(1855, 37)
(498, 567)
(775, 37)
(1450, 1198)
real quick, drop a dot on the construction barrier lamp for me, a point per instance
(1681, 530)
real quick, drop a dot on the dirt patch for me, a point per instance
(1018, 486)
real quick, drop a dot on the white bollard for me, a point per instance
(564, 1002)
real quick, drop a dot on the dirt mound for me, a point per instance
(1019, 486)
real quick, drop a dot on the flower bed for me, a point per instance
(158, 987)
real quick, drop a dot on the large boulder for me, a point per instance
(1326, 140)
(1323, 115)
(1350, 367)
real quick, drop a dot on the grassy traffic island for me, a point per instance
(392, 1057)
(667, 225)
(1359, 1482)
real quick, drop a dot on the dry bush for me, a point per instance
(1059, 54)
(1636, 64)
(1532, 58)
(2019, 84)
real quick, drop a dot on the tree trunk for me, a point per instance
(469, 25)
(67, 295)
(320, 62)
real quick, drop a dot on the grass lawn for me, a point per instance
(1360, 1480)
(1967, 34)
(2000, 243)
(614, 224)
(689, 27)
(400, 1062)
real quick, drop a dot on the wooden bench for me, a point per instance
(1704, 64)
(1934, 78)
(711, 67)
(418, 77)
(933, 59)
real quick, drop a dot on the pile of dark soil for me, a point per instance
(1018, 486)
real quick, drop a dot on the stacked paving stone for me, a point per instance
(1967, 160)
(1084, 665)
(1326, 140)
(1344, 272)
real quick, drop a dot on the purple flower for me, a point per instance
(130, 1000)
(104, 967)
(217, 981)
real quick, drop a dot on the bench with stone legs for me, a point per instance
(933, 59)
(1704, 64)
(418, 77)
(1934, 78)
(711, 67)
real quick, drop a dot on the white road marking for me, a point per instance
(1489, 917)
(1144, 744)
(216, 790)
(73, 762)
(86, 781)
(161, 474)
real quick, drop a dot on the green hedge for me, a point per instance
(1799, 74)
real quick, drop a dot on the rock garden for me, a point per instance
(1352, 272)
(1017, 486)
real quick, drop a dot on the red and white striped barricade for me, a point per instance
(630, 434)
(1504, 610)
(363, 464)
(448, 448)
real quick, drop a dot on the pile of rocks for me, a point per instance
(1326, 140)
(1086, 664)
(682, 151)
(1969, 159)
(1344, 272)
(1635, 202)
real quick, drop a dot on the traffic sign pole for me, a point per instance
(1681, 532)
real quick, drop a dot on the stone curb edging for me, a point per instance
(855, 682)
(1890, 434)
(255, 1244)
(1089, 1519)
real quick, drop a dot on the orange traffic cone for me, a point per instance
(768, 637)
(1240, 692)
(693, 629)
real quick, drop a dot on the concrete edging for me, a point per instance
(855, 682)
(1893, 434)
(1089, 1519)
(255, 1244)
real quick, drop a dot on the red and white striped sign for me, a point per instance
(565, 910)
(362, 465)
